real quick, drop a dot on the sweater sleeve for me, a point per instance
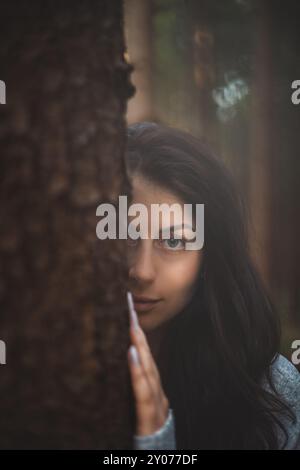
(163, 438)
(287, 382)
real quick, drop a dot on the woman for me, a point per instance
(204, 360)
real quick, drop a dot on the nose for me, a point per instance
(142, 268)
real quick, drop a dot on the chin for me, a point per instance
(148, 324)
(153, 324)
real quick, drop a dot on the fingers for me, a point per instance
(136, 357)
(151, 402)
(139, 340)
(141, 387)
(151, 411)
(132, 313)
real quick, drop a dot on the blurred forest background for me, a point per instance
(223, 71)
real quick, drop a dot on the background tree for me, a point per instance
(223, 70)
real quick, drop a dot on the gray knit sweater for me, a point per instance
(287, 382)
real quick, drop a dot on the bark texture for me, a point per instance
(62, 291)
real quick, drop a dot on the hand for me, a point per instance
(152, 405)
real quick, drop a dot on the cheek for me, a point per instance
(181, 277)
(175, 282)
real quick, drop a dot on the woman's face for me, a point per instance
(160, 269)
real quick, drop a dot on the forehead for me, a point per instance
(148, 193)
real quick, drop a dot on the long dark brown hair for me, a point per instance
(219, 348)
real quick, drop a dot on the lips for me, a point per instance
(139, 298)
(143, 304)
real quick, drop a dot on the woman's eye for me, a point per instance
(173, 244)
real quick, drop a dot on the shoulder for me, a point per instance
(286, 379)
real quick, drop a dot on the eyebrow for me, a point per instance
(174, 227)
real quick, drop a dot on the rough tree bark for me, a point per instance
(62, 291)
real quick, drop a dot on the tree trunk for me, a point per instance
(138, 31)
(63, 308)
(261, 148)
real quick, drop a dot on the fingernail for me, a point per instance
(134, 356)
(133, 314)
